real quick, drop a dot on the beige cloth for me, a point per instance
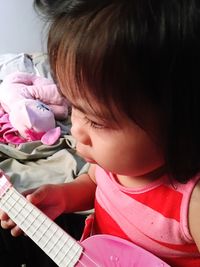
(33, 164)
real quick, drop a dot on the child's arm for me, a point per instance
(56, 199)
(77, 195)
(194, 215)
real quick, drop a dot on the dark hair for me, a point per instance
(136, 54)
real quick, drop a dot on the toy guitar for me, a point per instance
(98, 250)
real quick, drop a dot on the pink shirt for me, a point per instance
(154, 217)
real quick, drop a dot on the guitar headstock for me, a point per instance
(4, 184)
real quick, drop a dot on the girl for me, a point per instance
(131, 72)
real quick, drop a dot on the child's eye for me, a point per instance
(94, 124)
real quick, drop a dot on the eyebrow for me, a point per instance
(104, 117)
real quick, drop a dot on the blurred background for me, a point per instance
(21, 29)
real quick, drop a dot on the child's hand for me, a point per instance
(48, 198)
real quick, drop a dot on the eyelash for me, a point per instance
(93, 124)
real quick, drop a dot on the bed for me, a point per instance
(32, 164)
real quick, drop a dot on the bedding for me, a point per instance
(32, 164)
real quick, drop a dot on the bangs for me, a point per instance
(93, 65)
(106, 58)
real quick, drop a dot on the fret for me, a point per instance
(32, 217)
(56, 255)
(12, 202)
(20, 211)
(51, 234)
(53, 240)
(36, 228)
(68, 259)
(4, 184)
(69, 256)
(57, 248)
(5, 203)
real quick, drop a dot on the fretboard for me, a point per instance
(53, 240)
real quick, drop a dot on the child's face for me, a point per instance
(123, 149)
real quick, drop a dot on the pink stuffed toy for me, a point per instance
(33, 104)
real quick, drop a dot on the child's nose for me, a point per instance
(80, 134)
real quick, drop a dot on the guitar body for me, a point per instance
(96, 251)
(110, 251)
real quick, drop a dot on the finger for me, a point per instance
(3, 215)
(29, 191)
(7, 224)
(38, 195)
(16, 231)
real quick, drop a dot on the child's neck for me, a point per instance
(138, 181)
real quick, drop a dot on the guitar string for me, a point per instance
(90, 259)
(83, 253)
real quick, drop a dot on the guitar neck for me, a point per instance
(53, 240)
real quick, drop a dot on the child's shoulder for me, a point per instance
(196, 192)
(194, 214)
